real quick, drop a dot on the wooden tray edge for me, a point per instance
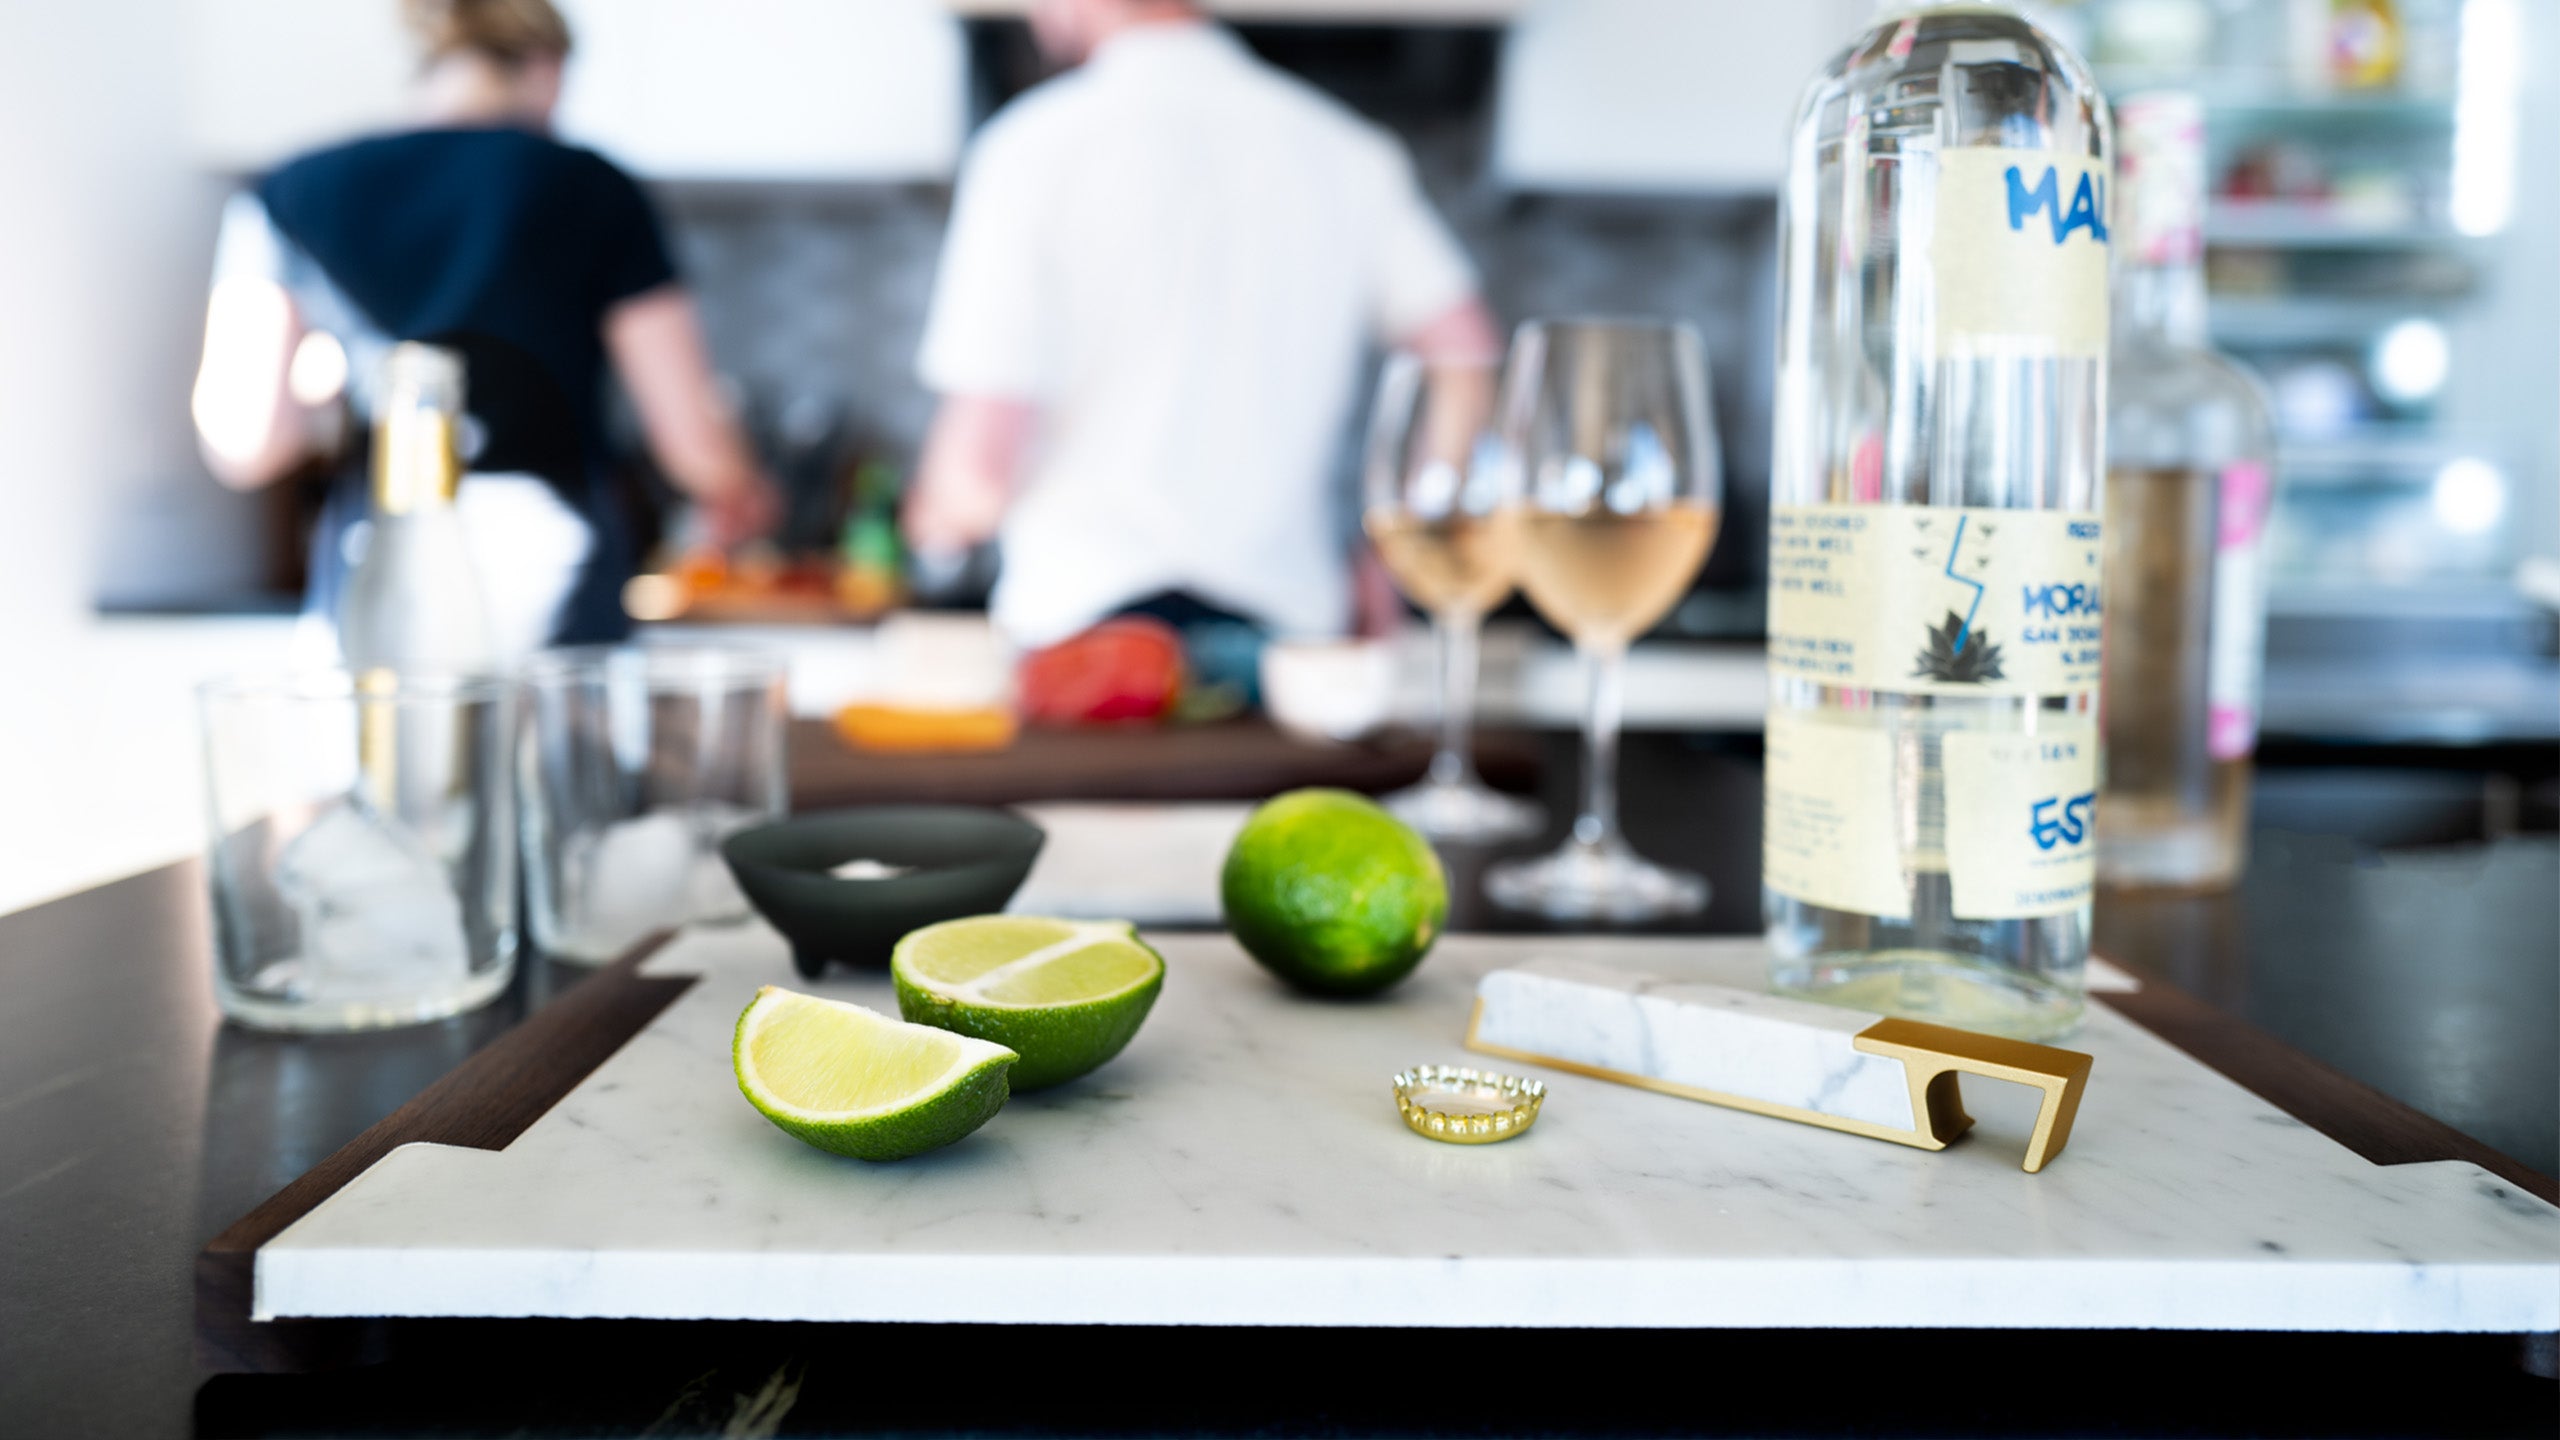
(2383, 1130)
(484, 1103)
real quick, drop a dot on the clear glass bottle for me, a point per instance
(1935, 526)
(2190, 446)
(413, 601)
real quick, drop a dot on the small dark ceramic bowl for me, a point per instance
(965, 861)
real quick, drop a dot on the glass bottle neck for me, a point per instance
(415, 466)
(2161, 304)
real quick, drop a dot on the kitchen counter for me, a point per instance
(133, 1126)
(2377, 696)
(128, 692)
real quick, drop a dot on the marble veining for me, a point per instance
(1243, 1163)
(1706, 1037)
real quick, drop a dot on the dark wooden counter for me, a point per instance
(133, 1127)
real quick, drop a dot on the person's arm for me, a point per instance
(1460, 354)
(1377, 606)
(655, 342)
(251, 429)
(989, 350)
(1464, 334)
(966, 477)
(250, 426)
(1427, 303)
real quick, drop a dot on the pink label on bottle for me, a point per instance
(2231, 732)
(1866, 469)
(1903, 35)
(2246, 489)
(2234, 653)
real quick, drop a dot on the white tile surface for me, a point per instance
(1154, 864)
(1242, 1163)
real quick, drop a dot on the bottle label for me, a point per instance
(1827, 817)
(2160, 177)
(2018, 253)
(1935, 600)
(2236, 652)
(2021, 811)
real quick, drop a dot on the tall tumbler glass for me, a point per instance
(636, 762)
(363, 846)
(1608, 422)
(1440, 502)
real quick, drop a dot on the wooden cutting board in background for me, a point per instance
(1230, 760)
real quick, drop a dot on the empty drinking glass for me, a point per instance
(635, 764)
(363, 846)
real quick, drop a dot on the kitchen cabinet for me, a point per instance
(1659, 96)
(781, 90)
(717, 90)
(1313, 12)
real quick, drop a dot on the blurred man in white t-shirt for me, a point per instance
(1162, 271)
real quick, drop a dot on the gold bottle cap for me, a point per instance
(1465, 1106)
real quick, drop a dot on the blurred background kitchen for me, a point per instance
(2380, 238)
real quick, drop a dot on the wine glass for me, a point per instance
(1607, 421)
(1440, 503)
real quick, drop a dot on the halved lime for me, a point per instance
(858, 1083)
(1066, 994)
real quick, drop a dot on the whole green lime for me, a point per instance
(1332, 893)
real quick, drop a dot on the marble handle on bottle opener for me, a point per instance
(1847, 1070)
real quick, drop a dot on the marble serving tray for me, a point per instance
(1243, 1164)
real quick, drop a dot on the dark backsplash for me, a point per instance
(817, 296)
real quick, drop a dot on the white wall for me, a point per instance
(101, 265)
(164, 530)
(266, 78)
(66, 236)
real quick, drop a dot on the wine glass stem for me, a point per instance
(1457, 631)
(1597, 825)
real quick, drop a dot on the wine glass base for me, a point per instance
(1594, 882)
(1465, 810)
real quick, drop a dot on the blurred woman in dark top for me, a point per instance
(542, 263)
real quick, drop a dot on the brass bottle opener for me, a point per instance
(1869, 1075)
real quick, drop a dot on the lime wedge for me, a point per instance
(858, 1083)
(1065, 994)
